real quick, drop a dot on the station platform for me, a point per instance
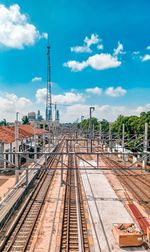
(105, 209)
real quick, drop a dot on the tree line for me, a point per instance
(134, 128)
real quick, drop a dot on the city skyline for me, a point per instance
(99, 55)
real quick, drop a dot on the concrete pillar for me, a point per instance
(76, 135)
(123, 131)
(1, 152)
(10, 155)
(16, 148)
(43, 136)
(97, 160)
(35, 145)
(62, 170)
(87, 146)
(27, 172)
(126, 158)
(91, 149)
(67, 146)
(139, 157)
(49, 142)
(135, 160)
(5, 161)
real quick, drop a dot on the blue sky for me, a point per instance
(115, 78)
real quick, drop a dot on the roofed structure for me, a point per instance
(7, 133)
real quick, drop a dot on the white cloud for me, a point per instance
(10, 98)
(98, 62)
(36, 79)
(95, 90)
(75, 111)
(106, 111)
(81, 49)
(10, 103)
(66, 98)
(148, 47)
(15, 29)
(115, 92)
(41, 95)
(145, 57)
(119, 49)
(76, 66)
(94, 39)
(100, 47)
(44, 35)
(88, 42)
(143, 108)
(103, 61)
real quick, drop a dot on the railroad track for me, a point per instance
(19, 237)
(138, 186)
(74, 236)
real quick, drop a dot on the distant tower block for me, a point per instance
(31, 116)
(49, 93)
(56, 115)
(39, 116)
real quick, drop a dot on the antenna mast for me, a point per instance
(49, 89)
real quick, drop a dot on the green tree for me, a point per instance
(134, 129)
(25, 120)
(3, 122)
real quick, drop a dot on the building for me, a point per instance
(26, 141)
(39, 116)
(31, 116)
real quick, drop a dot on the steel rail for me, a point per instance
(141, 194)
(74, 232)
(19, 237)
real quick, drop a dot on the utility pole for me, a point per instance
(43, 136)
(110, 138)
(145, 145)
(16, 148)
(100, 133)
(93, 135)
(125, 157)
(91, 110)
(123, 131)
(35, 145)
(90, 126)
(49, 141)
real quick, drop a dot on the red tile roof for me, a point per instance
(29, 129)
(7, 133)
